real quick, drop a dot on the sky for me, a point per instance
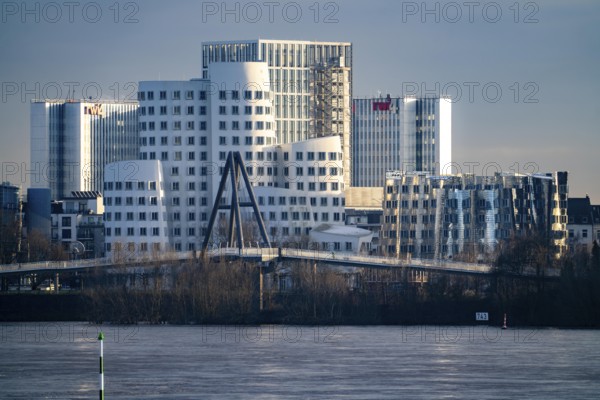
(523, 76)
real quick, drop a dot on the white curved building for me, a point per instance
(135, 216)
(190, 126)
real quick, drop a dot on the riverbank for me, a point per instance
(35, 307)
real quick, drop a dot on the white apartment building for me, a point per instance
(187, 129)
(311, 83)
(584, 224)
(72, 141)
(400, 134)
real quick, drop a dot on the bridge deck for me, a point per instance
(267, 255)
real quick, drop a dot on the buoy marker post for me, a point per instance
(101, 339)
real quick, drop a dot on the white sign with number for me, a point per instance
(481, 316)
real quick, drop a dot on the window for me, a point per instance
(222, 95)
(248, 127)
(222, 110)
(235, 110)
(298, 156)
(222, 140)
(222, 125)
(176, 95)
(248, 110)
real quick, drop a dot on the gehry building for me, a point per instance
(163, 201)
(430, 216)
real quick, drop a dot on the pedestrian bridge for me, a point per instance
(340, 259)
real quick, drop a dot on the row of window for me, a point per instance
(310, 156)
(202, 95)
(130, 231)
(176, 140)
(175, 126)
(235, 110)
(191, 110)
(175, 95)
(391, 249)
(131, 201)
(131, 216)
(130, 185)
(143, 247)
(446, 233)
(175, 110)
(223, 140)
(584, 234)
(455, 218)
(299, 200)
(202, 126)
(306, 216)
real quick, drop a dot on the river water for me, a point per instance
(60, 361)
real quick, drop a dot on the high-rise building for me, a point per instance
(72, 141)
(429, 216)
(9, 203)
(187, 129)
(400, 134)
(311, 84)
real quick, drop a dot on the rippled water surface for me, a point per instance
(60, 361)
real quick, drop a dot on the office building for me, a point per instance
(428, 216)
(311, 83)
(400, 134)
(72, 141)
(9, 203)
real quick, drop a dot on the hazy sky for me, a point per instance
(527, 72)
